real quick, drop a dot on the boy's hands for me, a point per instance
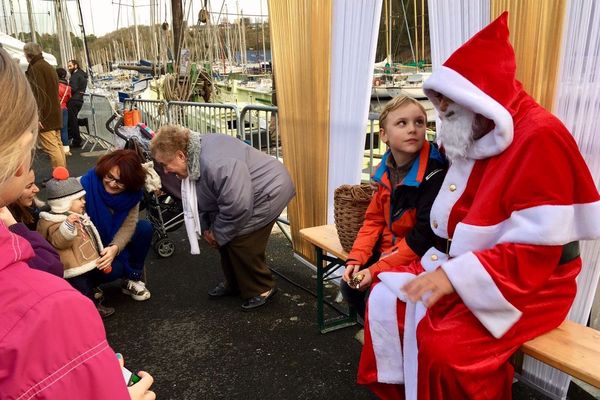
(352, 271)
(352, 268)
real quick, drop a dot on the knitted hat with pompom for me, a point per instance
(62, 190)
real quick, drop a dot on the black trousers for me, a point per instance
(74, 106)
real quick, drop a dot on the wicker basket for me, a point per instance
(350, 203)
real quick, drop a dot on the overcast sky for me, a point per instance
(100, 16)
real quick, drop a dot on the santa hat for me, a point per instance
(62, 190)
(480, 76)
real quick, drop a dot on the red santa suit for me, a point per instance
(512, 209)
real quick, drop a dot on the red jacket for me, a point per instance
(396, 223)
(64, 94)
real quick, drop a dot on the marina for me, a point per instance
(256, 71)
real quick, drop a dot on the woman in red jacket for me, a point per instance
(64, 94)
(396, 229)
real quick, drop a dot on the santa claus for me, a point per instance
(515, 202)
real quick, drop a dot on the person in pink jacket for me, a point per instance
(52, 341)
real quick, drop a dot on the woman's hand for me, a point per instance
(140, 390)
(7, 217)
(107, 256)
(436, 283)
(209, 237)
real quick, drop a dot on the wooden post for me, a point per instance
(177, 10)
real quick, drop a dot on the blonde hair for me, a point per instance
(396, 103)
(18, 115)
(169, 139)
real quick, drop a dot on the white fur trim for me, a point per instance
(542, 225)
(433, 258)
(88, 222)
(460, 90)
(64, 203)
(52, 217)
(383, 326)
(72, 272)
(393, 282)
(457, 176)
(480, 294)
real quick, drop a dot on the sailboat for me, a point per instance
(397, 80)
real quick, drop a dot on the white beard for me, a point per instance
(456, 132)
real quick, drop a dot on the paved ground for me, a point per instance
(197, 348)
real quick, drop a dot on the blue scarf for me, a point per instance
(107, 211)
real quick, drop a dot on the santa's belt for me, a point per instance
(570, 251)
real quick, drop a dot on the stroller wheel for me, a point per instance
(164, 248)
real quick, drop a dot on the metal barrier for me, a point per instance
(154, 112)
(259, 126)
(205, 117)
(102, 110)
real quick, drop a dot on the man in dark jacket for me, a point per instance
(78, 83)
(44, 84)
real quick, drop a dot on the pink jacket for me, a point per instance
(52, 340)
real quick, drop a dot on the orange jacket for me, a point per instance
(396, 223)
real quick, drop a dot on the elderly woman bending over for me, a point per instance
(232, 195)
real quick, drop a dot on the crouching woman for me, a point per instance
(114, 191)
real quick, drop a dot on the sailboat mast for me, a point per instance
(412, 50)
(416, 32)
(13, 20)
(423, 29)
(137, 34)
(244, 48)
(177, 12)
(5, 19)
(31, 21)
(388, 51)
(59, 32)
(85, 46)
(263, 33)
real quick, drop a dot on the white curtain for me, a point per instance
(577, 104)
(452, 23)
(355, 29)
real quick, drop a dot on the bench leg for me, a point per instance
(341, 321)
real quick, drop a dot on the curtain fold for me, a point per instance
(354, 43)
(452, 23)
(301, 46)
(577, 104)
(535, 25)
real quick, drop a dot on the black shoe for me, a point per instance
(104, 311)
(222, 290)
(258, 301)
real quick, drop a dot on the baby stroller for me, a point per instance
(163, 208)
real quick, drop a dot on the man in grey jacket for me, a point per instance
(239, 193)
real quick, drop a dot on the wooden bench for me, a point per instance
(330, 257)
(571, 348)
